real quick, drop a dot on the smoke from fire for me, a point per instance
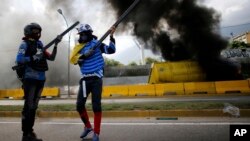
(180, 30)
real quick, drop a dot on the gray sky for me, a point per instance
(234, 12)
(15, 14)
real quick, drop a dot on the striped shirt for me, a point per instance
(94, 64)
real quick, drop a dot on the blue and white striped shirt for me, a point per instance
(94, 64)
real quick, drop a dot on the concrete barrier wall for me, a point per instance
(12, 93)
(141, 90)
(110, 81)
(241, 86)
(51, 92)
(188, 88)
(199, 88)
(114, 91)
(18, 93)
(169, 89)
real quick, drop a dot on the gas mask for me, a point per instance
(35, 34)
(83, 39)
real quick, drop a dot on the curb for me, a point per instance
(123, 114)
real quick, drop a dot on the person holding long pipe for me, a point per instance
(88, 55)
(91, 63)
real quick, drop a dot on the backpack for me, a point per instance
(20, 70)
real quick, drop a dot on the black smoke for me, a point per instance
(181, 30)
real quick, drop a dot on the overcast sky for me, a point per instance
(15, 14)
(234, 12)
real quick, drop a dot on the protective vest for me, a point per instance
(32, 49)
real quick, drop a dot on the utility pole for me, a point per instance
(141, 47)
(61, 13)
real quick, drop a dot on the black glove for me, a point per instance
(58, 39)
(112, 39)
(80, 61)
(36, 57)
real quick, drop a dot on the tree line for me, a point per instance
(114, 63)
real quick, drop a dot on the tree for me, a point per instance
(150, 60)
(112, 62)
(238, 45)
(132, 63)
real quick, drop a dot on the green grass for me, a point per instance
(137, 106)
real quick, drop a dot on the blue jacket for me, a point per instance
(94, 64)
(24, 58)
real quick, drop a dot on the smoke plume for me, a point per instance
(15, 15)
(181, 30)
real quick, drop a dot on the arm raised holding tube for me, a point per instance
(55, 41)
(59, 37)
(112, 29)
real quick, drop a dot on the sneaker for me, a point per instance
(30, 138)
(86, 132)
(95, 137)
(33, 134)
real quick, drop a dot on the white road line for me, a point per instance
(137, 124)
(9, 122)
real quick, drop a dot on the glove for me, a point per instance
(112, 30)
(80, 61)
(58, 39)
(37, 57)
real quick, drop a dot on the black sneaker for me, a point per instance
(33, 134)
(31, 137)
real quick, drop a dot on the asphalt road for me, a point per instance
(127, 129)
(139, 99)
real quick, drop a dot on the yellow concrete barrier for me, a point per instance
(240, 86)
(53, 92)
(169, 89)
(12, 93)
(2, 93)
(113, 91)
(199, 88)
(175, 72)
(141, 90)
(18, 93)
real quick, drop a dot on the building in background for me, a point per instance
(245, 37)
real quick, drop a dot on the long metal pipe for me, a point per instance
(122, 17)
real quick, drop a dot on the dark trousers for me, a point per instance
(93, 85)
(32, 93)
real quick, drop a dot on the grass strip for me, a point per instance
(135, 106)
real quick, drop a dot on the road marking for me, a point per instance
(9, 122)
(137, 124)
(146, 123)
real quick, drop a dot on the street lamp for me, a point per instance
(141, 48)
(61, 13)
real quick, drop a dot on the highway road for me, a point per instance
(128, 129)
(232, 98)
